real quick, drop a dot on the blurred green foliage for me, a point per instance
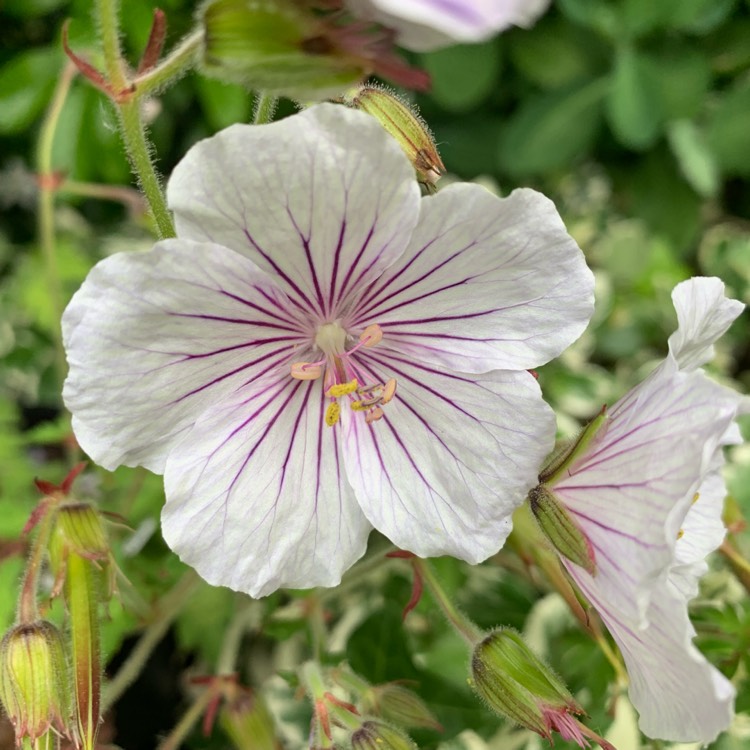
(633, 115)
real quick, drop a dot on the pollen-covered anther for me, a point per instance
(389, 391)
(342, 389)
(373, 415)
(306, 370)
(681, 533)
(695, 499)
(333, 412)
(372, 335)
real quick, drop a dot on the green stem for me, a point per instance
(178, 62)
(107, 12)
(169, 607)
(129, 197)
(46, 209)
(463, 625)
(139, 151)
(265, 106)
(82, 594)
(28, 609)
(361, 571)
(189, 719)
(244, 619)
(313, 680)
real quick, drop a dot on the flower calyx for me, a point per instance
(33, 680)
(377, 735)
(404, 123)
(287, 49)
(561, 529)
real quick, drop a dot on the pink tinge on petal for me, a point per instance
(566, 725)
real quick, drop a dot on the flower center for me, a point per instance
(342, 374)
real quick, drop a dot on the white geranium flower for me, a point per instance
(255, 359)
(423, 25)
(647, 494)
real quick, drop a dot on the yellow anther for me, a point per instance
(342, 389)
(333, 412)
(373, 415)
(306, 371)
(371, 335)
(681, 533)
(695, 497)
(357, 406)
(389, 391)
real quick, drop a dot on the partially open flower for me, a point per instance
(647, 493)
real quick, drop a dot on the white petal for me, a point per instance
(704, 314)
(486, 283)
(322, 200)
(154, 338)
(633, 488)
(256, 493)
(452, 458)
(430, 24)
(678, 694)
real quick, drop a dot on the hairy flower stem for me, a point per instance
(131, 123)
(265, 106)
(46, 207)
(168, 608)
(739, 565)
(189, 719)
(28, 609)
(462, 624)
(244, 619)
(179, 61)
(139, 151)
(82, 594)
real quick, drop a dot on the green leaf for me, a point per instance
(463, 75)
(26, 83)
(683, 78)
(204, 619)
(601, 15)
(633, 104)
(729, 131)
(700, 16)
(576, 53)
(551, 130)
(223, 103)
(378, 650)
(694, 157)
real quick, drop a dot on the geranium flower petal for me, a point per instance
(453, 456)
(678, 694)
(256, 493)
(704, 314)
(429, 24)
(632, 490)
(323, 201)
(486, 283)
(154, 338)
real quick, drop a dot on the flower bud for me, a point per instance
(561, 529)
(401, 706)
(274, 46)
(374, 735)
(514, 682)
(33, 681)
(247, 722)
(405, 125)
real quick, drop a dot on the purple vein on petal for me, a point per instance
(335, 269)
(310, 262)
(303, 303)
(265, 311)
(353, 265)
(224, 376)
